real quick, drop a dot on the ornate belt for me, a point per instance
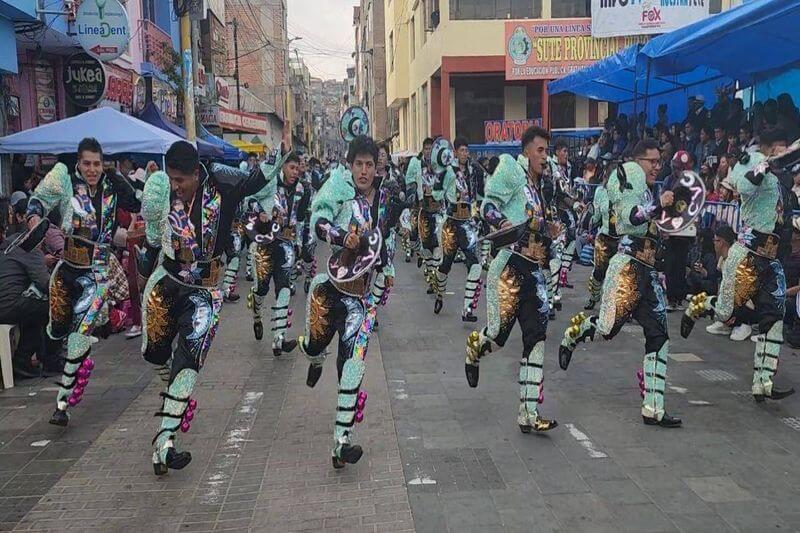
(461, 211)
(80, 252)
(357, 288)
(533, 247)
(201, 273)
(763, 244)
(643, 249)
(288, 234)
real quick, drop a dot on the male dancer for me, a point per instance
(346, 213)
(516, 284)
(564, 203)
(752, 271)
(416, 167)
(459, 231)
(284, 202)
(605, 243)
(632, 287)
(238, 242)
(475, 174)
(188, 212)
(89, 275)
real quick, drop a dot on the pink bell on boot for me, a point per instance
(192, 404)
(83, 372)
(359, 416)
(289, 312)
(185, 426)
(88, 363)
(77, 391)
(72, 401)
(188, 416)
(82, 382)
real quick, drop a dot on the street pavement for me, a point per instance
(439, 456)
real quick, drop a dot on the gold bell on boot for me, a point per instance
(473, 345)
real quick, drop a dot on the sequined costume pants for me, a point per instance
(750, 277)
(632, 289)
(516, 291)
(604, 248)
(187, 316)
(459, 235)
(233, 254)
(428, 238)
(77, 298)
(330, 312)
(274, 261)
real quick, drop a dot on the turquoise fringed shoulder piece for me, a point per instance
(758, 209)
(333, 195)
(623, 198)
(414, 171)
(504, 189)
(55, 190)
(155, 208)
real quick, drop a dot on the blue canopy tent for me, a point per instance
(750, 43)
(229, 152)
(117, 133)
(152, 115)
(616, 79)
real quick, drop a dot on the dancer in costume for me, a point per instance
(632, 287)
(752, 271)
(351, 212)
(605, 243)
(476, 175)
(89, 275)
(188, 212)
(417, 166)
(516, 283)
(284, 202)
(238, 242)
(564, 200)
(460, 232)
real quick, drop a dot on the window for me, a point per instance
(424, 26)
(424, 111)
(495, 9)
(476, 100)
(572, 8)
(562, 110)
(715, 6)
(413, 128)
(412, 27)
(391, 51)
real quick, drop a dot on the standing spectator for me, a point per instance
(690, 138)
(663, 119)
(788, 117)
(620, 142)
(704, 148)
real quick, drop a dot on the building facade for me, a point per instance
(370, 68)
(446, 68)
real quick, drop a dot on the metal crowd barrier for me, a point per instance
(716, 213)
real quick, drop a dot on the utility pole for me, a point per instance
(188, 75)
(236, 63)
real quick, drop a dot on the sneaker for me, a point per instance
(133, 332)
(718, 328)
(741, 332)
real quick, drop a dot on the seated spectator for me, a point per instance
(703, 275)
(24, 285)
(19, 205)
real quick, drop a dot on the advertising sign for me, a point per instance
(611, 18)
(85, 80)
(551, 49)
(102, 28)
(240, 121)
(507, 131)
(46, 110)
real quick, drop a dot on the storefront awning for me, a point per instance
(249, 147)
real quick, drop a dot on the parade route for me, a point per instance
(439, 456)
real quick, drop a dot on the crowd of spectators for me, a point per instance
(709, 142)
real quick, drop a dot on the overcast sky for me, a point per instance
(327, 30)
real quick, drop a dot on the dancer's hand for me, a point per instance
(389, 281)
(667, 198)
(33, 221)
(506, 224)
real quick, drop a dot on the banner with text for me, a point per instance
(507, 131)
(551, 49)
(611, 18)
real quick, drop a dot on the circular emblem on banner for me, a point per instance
(102, 28)
(85, 80)
(441, 155)
(355, 122)
(520, 46)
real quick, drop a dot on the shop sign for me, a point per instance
(102, 28)
(239, 121)
(46, 110)
(552, 49)
(84, 80)
(208, 115)
(139, 94)
(611, 18)
(507, 131)
(120, 86)
(223, 92)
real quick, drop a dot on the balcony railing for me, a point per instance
(155, 44)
